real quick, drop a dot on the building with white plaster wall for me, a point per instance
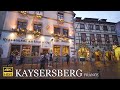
(31, 33)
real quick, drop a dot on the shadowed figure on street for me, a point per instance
(68, 59)
(42, 61)
(10, 59)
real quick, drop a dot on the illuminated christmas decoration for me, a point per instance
(39, 16)
(36, 34)
(20, 31)
(61, 21)
(23, 12)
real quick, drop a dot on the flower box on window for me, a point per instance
(61, 20)
(21, 31)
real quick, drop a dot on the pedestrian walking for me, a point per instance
(17, 59)
(22, 59)
(68, 59)
(92, 58)
(48, 59)
(42, 61)
(51, 59)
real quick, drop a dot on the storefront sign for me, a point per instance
(46, 44)
(21, 40)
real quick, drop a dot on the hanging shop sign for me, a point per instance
(46, 44)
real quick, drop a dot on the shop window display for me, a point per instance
(56, 50)
(26, 50)
(35, 51)
(15, 49)
(65, 50)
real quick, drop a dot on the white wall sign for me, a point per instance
(46, 44)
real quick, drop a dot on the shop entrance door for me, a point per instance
(45, 51)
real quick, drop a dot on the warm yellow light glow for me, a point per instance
(71, 33)
(30, 28)
(114, 46)
(29, 36)
(12, 35)
(70, 41)
(13, 27)
(42, 38)
(117, 53)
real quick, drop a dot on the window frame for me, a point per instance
(60, 15)
(82, 26)
(90, 27)
(37, 24)
(97, 28)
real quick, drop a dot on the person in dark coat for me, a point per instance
(22, 59)
(68, 59)
(51, 59)
(42, 61)
(11, 59)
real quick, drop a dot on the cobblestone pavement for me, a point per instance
(110, 70)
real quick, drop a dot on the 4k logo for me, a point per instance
(7, 71)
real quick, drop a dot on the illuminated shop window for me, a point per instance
(35, 51)
(26, 50)
(15, 49)
(56, 50)
(65, 50)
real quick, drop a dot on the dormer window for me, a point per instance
(60, 15)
